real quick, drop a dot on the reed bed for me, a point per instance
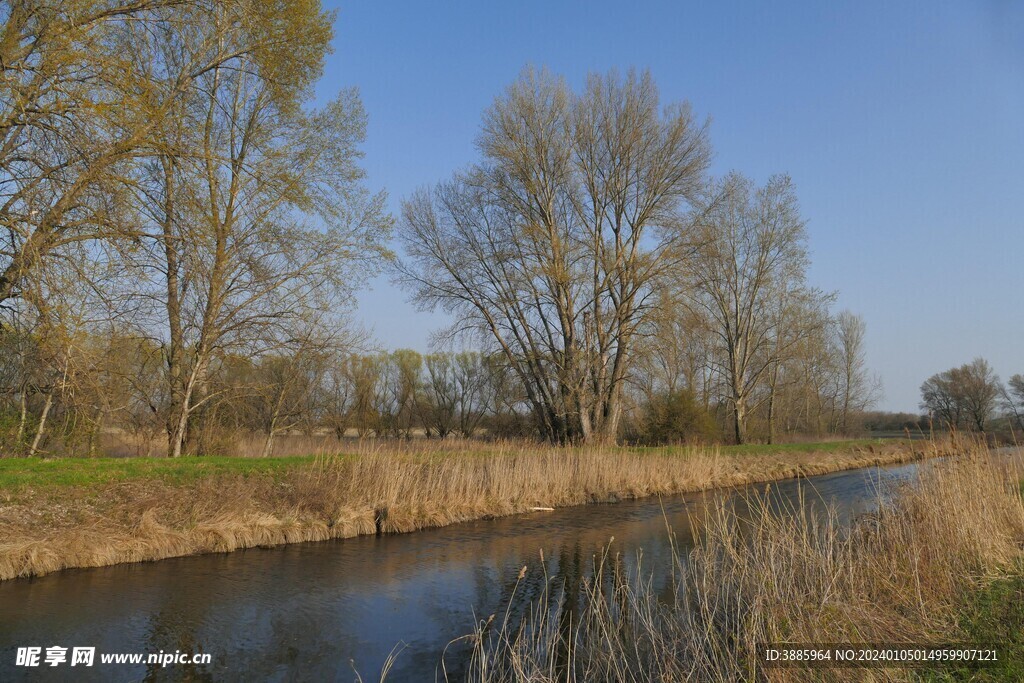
(378, 489)
(901, 575)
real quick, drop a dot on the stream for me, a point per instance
(330, 609)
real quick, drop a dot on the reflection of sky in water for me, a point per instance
(312, 608)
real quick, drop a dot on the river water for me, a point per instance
(322, 611)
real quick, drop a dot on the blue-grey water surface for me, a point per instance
(322, 611)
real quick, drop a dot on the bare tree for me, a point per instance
(978, 388)
(255, 203)
(1013, 399)
(967, 395)
(364, 376)
(289, 382)
(23, 377)
(748, 268)
(563, 232)
(858, 391)
(939, 398)
(677, 355)
(799, 356)
(471, 390)
(437, 403)
(453, 393)
(398, 392)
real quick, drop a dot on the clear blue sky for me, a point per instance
(902, 125)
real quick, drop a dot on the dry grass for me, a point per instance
(119, 444)
(899, 576)
(382, 489)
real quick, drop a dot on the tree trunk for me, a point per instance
(42, 425)
(177, 417)
(268, 445)
(22, 420)
(740, 420)
(179, 422)
(607, 424)
(176, 432)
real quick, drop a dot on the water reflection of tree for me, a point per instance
(166, 635)
(173, 624)
(570, 561)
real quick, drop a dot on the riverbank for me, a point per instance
(939, 563)
(62, 514)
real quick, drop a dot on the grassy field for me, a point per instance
(56, 514)
(20, 473)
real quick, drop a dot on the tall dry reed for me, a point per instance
(794, 576)
(378, 489)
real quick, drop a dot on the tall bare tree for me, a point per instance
(798, 355)
(256, 209)
(748, 269)
(553, 246)
(858, 391)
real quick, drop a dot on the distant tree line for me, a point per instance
(314, 390)
(119, 386)
(183, 230)
(893, 423)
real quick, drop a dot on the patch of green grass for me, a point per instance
(21, 473)
(994, 618)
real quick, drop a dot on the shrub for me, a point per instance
(676, 417)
